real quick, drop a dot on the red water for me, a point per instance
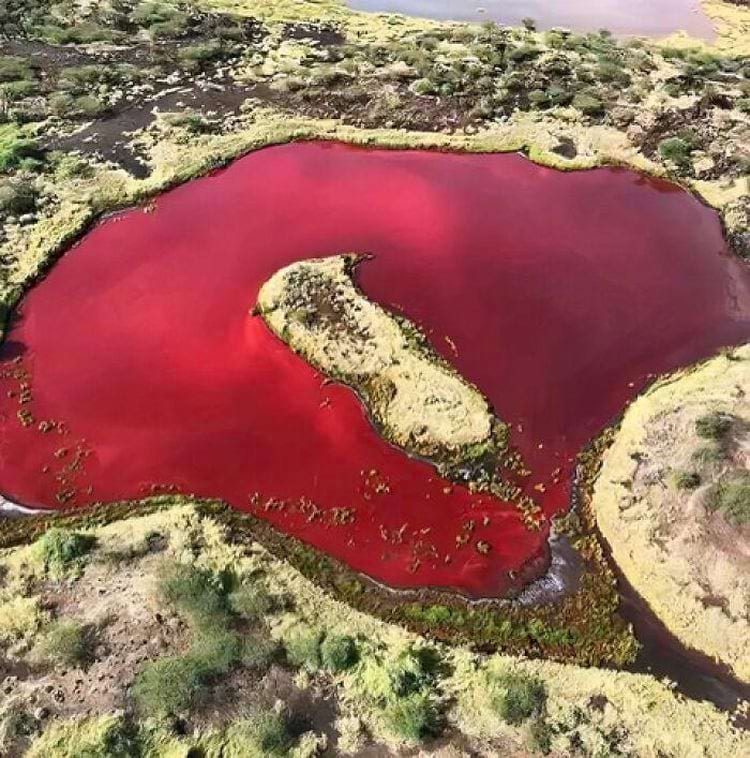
(561, 292)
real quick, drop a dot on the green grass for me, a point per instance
(517, 698)
(61, 550)
(588, 104)
(15, 147)
(676, 150)
(259, 651)
(265, 735)
(303, 648)
(708, 454)
(251, 601)
(713, 426)
(413, 717)
(196, 593)
(731, 497)
(16, 197)
(338, 652)
(13, 68)
(65, 643)
(170, 686)
(686, 480)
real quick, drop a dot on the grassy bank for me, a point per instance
(238, 620)
(673, 502)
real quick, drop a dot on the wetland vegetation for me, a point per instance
(176, 626)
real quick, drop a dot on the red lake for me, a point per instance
(136, 368)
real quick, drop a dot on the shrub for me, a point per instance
(13, 91)
(424, 87)
(65, 105)
(588, 104)
(258, 651)
(251, 601)
(517, 697)
(338, 652)
(83, 33)
(713, 426)
(413, 717)
(16, 197)
(15, 146)
(96, 737)
(20, 617)
(191, 121)
(65, 643)
(676, 150)
(60, 549)
(196, 592)
(265, 735)
(732, 498)
(69, 166)
(412, 671)
(195, 56)
(162, 21)
(13, 68)
(686, 480)
(216, 652)
(168, 686)
(303, 649)
(708, 454)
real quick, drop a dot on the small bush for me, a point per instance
(676, 150)
(517, 697)
(707, 455)
(162, 21)
(13, 68)
(338, 652)
(251, 601)
(60, 549)
(16, 197)
(216, 652)
(258, 651)
(66, 105)
(13, 91)
(303, 649)
(412, 718)
(195, 56)
(95, 737)
(588, 104)
(195, 592)
(191, 121)
(266, 735)
(65, 643)
(713, 426)
(168, 686)
(15, 146)
(732, 498)
(686, 480)
(413, 671)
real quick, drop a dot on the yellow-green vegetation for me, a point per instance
(417, 400)
(673, 501)
(391, 685)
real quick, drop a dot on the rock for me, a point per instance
(41, 713)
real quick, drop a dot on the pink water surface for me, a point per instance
(559, 294)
